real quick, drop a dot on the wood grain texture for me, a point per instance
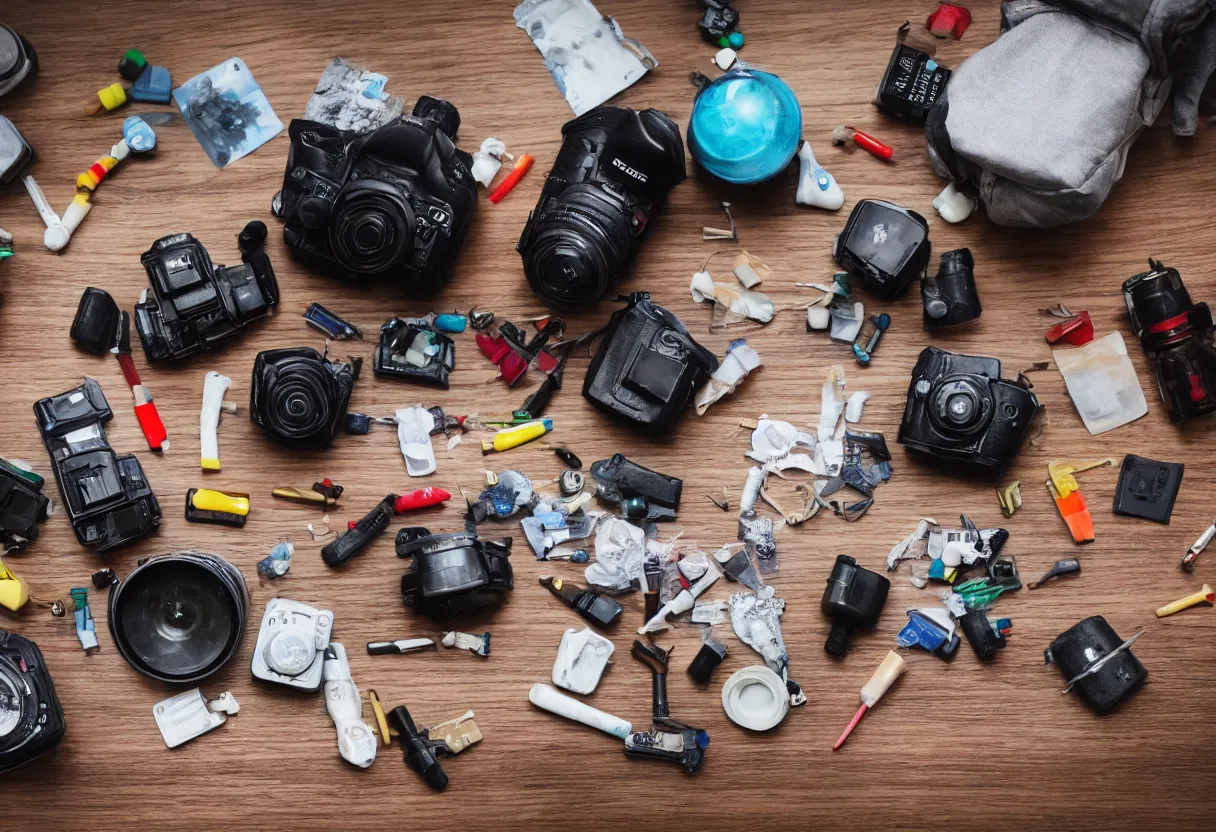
(955, 745)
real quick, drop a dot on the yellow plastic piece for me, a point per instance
(1010, 497)
(13, 591)
(1204, 595)
(112, 97)
(513, 437)
(381, 720)
(1061, 472)
(207, 499)
(210, 464)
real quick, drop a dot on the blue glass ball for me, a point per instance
(745, 126)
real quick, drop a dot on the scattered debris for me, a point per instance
(731, 305)
(1188, 560)
(953, 204)
(1066, 492)
(275, 565)
(356, 739)
(1077, 330)
(86, 629)
(731, 233)
(949, 21)
(398, 647)
(756, 620)
(1102, 383)
(932, 630)
(522, 165)
(846, 136)
(512, 437)
(421, 750)
(1009, 497)
(683, 602)
(227, 112)
(591, 605)
(331, 324)
(352, 98)
(739, 362)
(488, 160)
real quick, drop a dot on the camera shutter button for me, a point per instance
(923, 386)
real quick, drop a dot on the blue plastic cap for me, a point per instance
(745, 126)
(139, 136)
(548, 424)
(153, 85)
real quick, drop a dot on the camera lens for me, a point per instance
(179, 618)
(960, 405)
(373, 227)
(578, 247)
(299, 397)
(1160, 305)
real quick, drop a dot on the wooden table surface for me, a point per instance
(959, 745)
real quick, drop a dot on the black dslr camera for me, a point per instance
(647, 366)
(453, 573)
(196, 305)
(960, 409)
(885, 246)
(393, 203)
(108, 499)
(615, 168)
(299, 397)
(31, 718)
(1177, 336)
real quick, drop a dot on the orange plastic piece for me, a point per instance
(1077, 517)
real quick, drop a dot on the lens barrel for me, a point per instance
(298, 397)
(179, 618)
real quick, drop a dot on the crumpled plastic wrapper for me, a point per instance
(732, 304)
(739, 362)
(352, 98)
(756, 619)
(620, 555)
(1102, 383)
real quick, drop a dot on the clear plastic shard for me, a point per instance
(1102, 383)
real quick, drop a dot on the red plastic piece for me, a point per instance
(949, 21)
(145, 409)
(510, 364)
(873, 146)
(420, 499)
(1077, 330)
(517, 173)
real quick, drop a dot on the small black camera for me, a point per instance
(109, 501)
(959, 409)
(1177, 336)
(31, 718)
(615, 168)
(22, 506)
(885, 246)
(949, 298)
(196, 305)
(299, 397)
(394, 203)
(453, 573)
(647, 366)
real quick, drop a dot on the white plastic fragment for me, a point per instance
(846, 320)
(773, 440)
(941, 617)
(755, 698)
(187, 715)
(479, 644)
(356, 740)
(587, 54)
(818, 318)
(1102, 383)
(751, 489)
(831, 402)
(725, 58)
(756, 619)
(903, 549)
(681, 603)
(555, 702)
(739, 302)
(953, 205)
(709, 612)
(852, 408)
(414, 425)
(581, 659)
(488, 160)
(620, 553)
(816, 187)
(740, 360)
(215, 386)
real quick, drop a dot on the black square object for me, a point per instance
(1147, 488)
(654, 374)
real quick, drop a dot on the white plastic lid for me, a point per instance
(755, 698)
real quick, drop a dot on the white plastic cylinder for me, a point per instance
(551, 700)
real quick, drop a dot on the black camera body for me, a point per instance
(196, 305)
(1177, 337)
(614, 170)
(22, 506)
(960, 410)
(108, 499)
(647, 366)
(31, 718)
(885, 246)
(299, 397)
(394, 203)
(453, 573)
(950, 298)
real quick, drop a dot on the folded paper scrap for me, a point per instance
(1102, 383)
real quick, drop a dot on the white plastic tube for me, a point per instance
(214, 387)
(551, 700)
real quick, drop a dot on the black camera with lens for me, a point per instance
(949, 298)
(884, 245)
(1177, 336)
(961, 411)
(31, 718)
(108, 499)
(453, 573)
(394, 203)
(179, 618)
(299, 397)
(647, 367)
(196, 305)
(614, 170)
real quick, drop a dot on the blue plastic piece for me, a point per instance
(138, 134)
(331, 324)
(580, 556)
(275, 565)
(449, 322)
(358, 424)
(937, 570)
(745, 126)
(153, 85)
(736, 40)
(921, 631)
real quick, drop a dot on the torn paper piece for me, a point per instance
(751, 489)
(756, 620)
(846, 320)
(587, 54)
(352, 98)
(772, 440)
(414, 426)
(831, 402)
(620, 552)
(581, 660)
(1102, 383)
(907, 549)
(709, 612)
(737, 303)
(750, 271)
(852, 408)
(739, 362)
(488, 160)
